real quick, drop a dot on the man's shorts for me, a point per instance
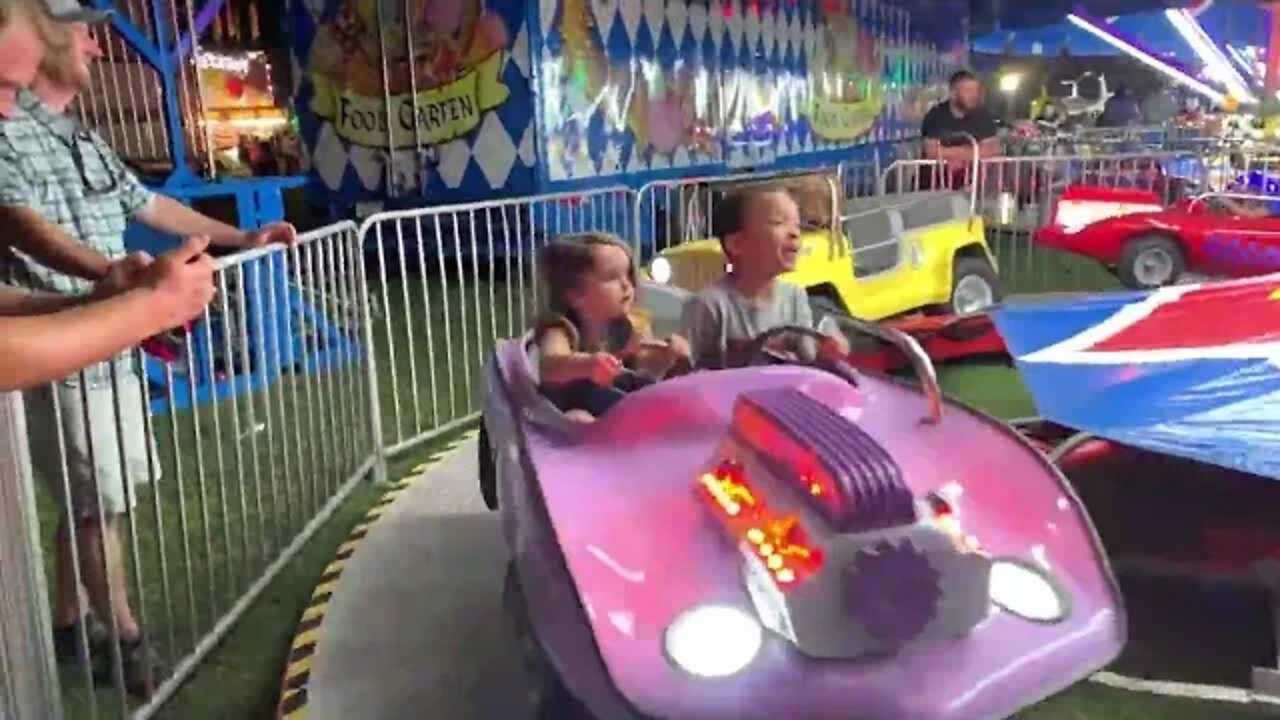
(94, 472)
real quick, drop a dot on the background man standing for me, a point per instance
(947, 124)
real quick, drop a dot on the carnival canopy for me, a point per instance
(988, 15)
(1161, 370)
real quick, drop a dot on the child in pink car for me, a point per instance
(592, 347)
(759, 228)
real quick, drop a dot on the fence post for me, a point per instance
(379, 473)
(28, 677)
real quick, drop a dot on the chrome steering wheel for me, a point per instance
(926, 375)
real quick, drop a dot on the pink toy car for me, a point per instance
(789, 541)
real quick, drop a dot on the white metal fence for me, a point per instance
(316, 363)
(236, 447)
(448, 281)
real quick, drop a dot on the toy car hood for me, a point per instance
(643, 544)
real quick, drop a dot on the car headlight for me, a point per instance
(1028, 591)
(660, 270)
(713, 641)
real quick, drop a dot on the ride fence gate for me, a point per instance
(226, 486)
(28, 685)
(356, 345)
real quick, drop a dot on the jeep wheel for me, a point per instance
(974, 286)
(1150, 261)
(488, 470)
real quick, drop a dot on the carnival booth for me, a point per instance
(188, 95)
(624, 94)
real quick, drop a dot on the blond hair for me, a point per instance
(59, 64)
(53, 34)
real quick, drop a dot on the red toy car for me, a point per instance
(1148, 245)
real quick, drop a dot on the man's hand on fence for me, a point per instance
(182, 281)
(276, 233)
(123, 275)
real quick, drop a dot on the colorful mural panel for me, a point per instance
(641, 86)
(414, 98)
(433, 99)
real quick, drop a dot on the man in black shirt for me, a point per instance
(961, 114)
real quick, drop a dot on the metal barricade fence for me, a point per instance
(448, 282)
(1016, 195)
(670, 212)
(861, 178)
(28, 683)
(210, 480)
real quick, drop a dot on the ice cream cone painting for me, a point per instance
(662, 107)
(443, 64)
(846, 92)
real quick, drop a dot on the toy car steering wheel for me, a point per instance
(629, 380)
(758, 347)
(907, 345)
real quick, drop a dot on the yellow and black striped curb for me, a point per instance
(297, 673)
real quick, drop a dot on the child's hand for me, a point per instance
(680, 348)
(602, 368)
(834, 348)
(660, 357)
(781, 343)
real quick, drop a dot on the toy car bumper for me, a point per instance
(1053, 236)
(942, 338)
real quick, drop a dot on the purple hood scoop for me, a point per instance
(893, 590)
(844, 474)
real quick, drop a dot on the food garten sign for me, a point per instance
(429, 117)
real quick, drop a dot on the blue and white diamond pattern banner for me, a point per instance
(408, 100)
(652, 88)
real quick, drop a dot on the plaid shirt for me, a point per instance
(68, 174)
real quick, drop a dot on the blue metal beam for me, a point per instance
(168, 71)
(136, 39)
(157, 56)
(203, 19)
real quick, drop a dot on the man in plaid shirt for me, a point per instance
(45, 336)
(67, 200)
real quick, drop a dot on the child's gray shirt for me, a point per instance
(720, 322)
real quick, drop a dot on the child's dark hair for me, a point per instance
(563, 261)
(731, 212)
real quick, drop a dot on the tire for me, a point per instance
(488, 470)
(549, 699)
(972, 277)
(1151, 261)
(822, 305)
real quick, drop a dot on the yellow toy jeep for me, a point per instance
(872, 258)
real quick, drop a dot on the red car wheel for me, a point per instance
(1151, 261)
